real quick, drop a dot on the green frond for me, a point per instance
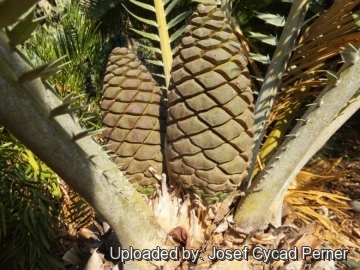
(181, 17)
(162, 32)
(155, 62)
(153, 49)
(177, 34)
(77, 38)
(143, 5)
(165, 2)
(171, 6)
(161, 76)
(146, 35)
(149, 22)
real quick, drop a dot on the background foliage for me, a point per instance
(29, 212)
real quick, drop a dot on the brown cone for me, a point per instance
(134, 116)
(210, 117)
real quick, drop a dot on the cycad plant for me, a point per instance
(215, 60)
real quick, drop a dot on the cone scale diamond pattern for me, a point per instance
(134, 118)
(210, 115)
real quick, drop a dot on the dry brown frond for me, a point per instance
(321, 42)
(311, 203)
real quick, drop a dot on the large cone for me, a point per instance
(210, 117)
(134, 118)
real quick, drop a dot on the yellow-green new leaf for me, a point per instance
(31, 159)
(163, 30)
(55, 189)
